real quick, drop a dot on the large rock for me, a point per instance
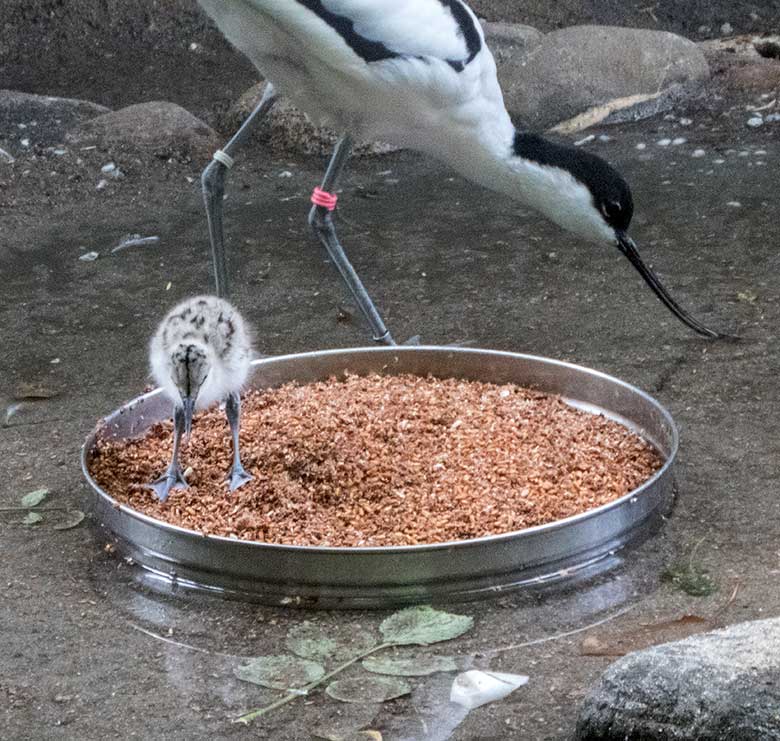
(721, 685)
(511, 43)
(159, 128)
(287, 130)
(575, 69)
(42, 119)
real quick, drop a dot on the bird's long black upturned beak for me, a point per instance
(189, 409)
(628, 248)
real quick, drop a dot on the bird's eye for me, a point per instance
(611, 209)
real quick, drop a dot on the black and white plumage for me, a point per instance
(201, 354)
(418, 74)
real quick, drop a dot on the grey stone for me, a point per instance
(158, 128)
(511, 43)
(575, 69)
(45, 118)
(720, 685)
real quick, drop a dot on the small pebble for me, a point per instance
(664, 142)
(773, 118)
(727, 29)
(89, 256)
(686, 121)
(698, 153)
(755, 122)
(734, 204)
(285, 174)
(641, 145)
(605, 138)
(718, 162)
(25, 142)
(107, 169)
(679, 140)
(102, 184)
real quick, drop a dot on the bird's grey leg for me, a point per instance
(321, 221)
(172, 478)
(238, 474)
(213, 184)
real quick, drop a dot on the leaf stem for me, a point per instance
(303, 691)
(9, 510)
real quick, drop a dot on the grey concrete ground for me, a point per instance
(85, 653)
(464, 266)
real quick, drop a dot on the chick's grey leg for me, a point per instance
(213, 183)
(172, 478)
(321, 221)
(238, 474)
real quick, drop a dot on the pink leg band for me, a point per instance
(322, 198)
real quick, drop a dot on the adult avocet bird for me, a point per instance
(200, 354)
(415, 73)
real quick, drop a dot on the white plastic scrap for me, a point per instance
(10, 412)
(89, 256)
(134, 240)
(586, 140)
(474, 688)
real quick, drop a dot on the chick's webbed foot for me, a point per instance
(171, 479)
(239, 476)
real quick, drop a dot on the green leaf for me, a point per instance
(423, 625)
(34, 498)
(339, 643)
(368, 689)
(410, 666)
(33, 518)
(73, 518)
(280, 672)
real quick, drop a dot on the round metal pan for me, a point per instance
(173, 558)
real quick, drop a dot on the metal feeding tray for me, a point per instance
(172, 558)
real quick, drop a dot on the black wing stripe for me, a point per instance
(468, 31)
(376, 51)
(369, 51)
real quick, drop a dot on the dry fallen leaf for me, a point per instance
(645, 636)
(33, 392)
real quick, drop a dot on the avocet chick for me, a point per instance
(200, 354)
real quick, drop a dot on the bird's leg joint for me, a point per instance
(213, 179)
(320, 219)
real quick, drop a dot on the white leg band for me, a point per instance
(224, 158)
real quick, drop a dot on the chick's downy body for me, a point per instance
(202, 343)
(201, 354)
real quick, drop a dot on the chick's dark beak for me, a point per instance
(188, 404)
(627, 246)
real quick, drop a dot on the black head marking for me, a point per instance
(611, 194)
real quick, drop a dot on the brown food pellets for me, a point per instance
(384, 461)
